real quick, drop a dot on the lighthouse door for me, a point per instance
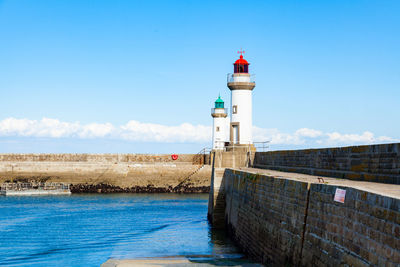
(235, 133)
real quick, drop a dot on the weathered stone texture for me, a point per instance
(374, 163)
(280, 221)
(266, 215)
(359, 232)
(232, 159)
(113, 158)
(120, 170)
(216, 202)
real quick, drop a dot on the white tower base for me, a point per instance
(220, 128)
(241, 112)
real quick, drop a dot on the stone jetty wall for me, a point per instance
(373, 163)
(363, 231)
(111, 158)
(107, 173)
(265, 215)
(280, 221)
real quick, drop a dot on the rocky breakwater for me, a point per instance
(108, 188)
(111, 173)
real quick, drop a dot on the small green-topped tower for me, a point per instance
(220, 124)
(219, 103)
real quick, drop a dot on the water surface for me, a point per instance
(86, 230)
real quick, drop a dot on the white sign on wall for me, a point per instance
(340, 194)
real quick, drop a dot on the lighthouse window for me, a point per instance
(239, 68)
(234, 109)
(217, 129)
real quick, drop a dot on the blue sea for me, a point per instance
(89, 229)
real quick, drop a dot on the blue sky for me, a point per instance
(141, 76)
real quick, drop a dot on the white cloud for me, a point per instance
(43, 128)
(366, 137)
(275, 136)
(133, 130)
(96, 130)
(184, 133)
(305, 132)
(313, 138)
(387, 139)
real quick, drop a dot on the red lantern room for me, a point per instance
(241, 65)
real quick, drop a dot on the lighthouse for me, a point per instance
(241, 84)
(220, 125)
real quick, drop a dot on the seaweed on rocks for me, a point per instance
(103, 188)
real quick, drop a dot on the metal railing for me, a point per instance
(226, 145)
(200, 156)
(199, 159)
(213, 110)
(261, 146)
(247, 148)
(230, 78)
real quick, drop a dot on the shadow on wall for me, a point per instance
(265, 216)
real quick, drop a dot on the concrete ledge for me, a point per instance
(376, 188)
(205, 260)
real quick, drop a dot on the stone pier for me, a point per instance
(107, 173)
(281, 218)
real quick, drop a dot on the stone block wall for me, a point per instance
(279, 221)
(120, 170)
(374, 163)
(266, 216)
(216, 201)
(231, 159)
(362, 231)
(98, 158)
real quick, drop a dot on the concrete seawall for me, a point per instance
(373, 163)
(286, 218)
(111, 172)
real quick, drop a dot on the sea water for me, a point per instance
(88, 229)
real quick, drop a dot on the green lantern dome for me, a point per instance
(219, 103)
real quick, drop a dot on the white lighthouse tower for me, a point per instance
(220, 125)
(241, 85)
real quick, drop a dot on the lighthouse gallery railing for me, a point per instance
(219, 110)
(230, 79)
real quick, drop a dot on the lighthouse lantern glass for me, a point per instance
(241, 68)
(219, 104)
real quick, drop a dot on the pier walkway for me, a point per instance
(390, 190)
(309, 220)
